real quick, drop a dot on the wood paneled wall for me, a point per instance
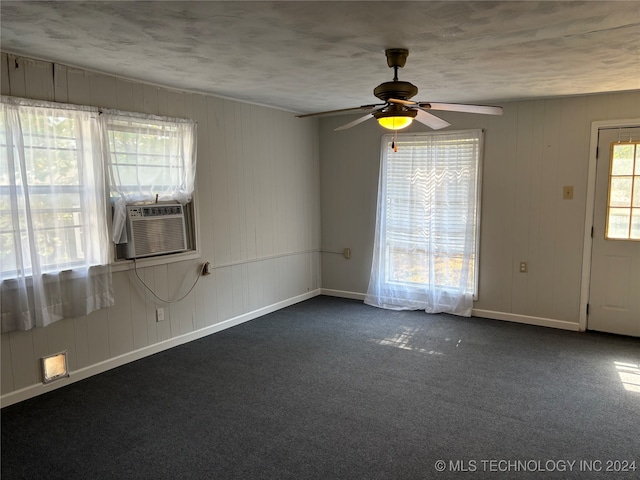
(259, 218)
(530, 152)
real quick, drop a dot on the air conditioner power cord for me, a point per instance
(202, 269)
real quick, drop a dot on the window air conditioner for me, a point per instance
(155, 230)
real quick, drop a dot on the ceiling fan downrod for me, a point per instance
(396, 58)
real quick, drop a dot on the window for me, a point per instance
(54, 231)
(47, 190)
(150, 159)
(425, 253)
(623, 205)
(53, 224)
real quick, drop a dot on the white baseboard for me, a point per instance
(342, 294)
(529, 320)
(508, 317)
(89, 371)
(86, 372)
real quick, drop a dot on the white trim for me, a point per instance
(127, 264)
(342, 294)
(589, 210)
(525, 319)
(476, 312)
(89, 371)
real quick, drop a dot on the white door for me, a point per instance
(614, 294)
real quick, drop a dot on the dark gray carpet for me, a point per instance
(333, 389)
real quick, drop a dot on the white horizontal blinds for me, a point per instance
(431, 209)
(427, 226)
(150, 158)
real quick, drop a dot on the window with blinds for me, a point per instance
(431, 210)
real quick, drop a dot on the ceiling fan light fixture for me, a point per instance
(395, 123)
(396, 118)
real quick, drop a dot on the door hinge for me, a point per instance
(591, 232)
(587, 309)
(597, 152)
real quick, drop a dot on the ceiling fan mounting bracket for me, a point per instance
(396, 57)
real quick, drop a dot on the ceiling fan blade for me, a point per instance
(341, 111)
(355, 122)
(429, 120)
(461, 107)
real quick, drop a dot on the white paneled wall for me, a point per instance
(259, 218)
(530, 153)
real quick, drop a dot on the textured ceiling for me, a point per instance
(310, 56)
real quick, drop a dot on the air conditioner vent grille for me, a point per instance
(156, 230)
(158, 235)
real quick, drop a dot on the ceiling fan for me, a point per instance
(397, 110)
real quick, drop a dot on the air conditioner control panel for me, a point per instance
(154, 211)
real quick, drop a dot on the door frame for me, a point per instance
(590, 209)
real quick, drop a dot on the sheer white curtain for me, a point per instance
(425, 251)
(150, 158)
(54, 246)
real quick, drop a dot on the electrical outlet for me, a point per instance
(523, 267)
(159, 314)
(567, 192)
(206, 268)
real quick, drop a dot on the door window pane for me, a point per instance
(618, 223)
(635, 224)
(620, 195)
(623, 198)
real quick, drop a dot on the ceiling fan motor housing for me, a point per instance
(395, 111)
(395, 89)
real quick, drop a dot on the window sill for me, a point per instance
(420, 289)
(122, 265)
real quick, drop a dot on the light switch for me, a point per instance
(567, 192)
